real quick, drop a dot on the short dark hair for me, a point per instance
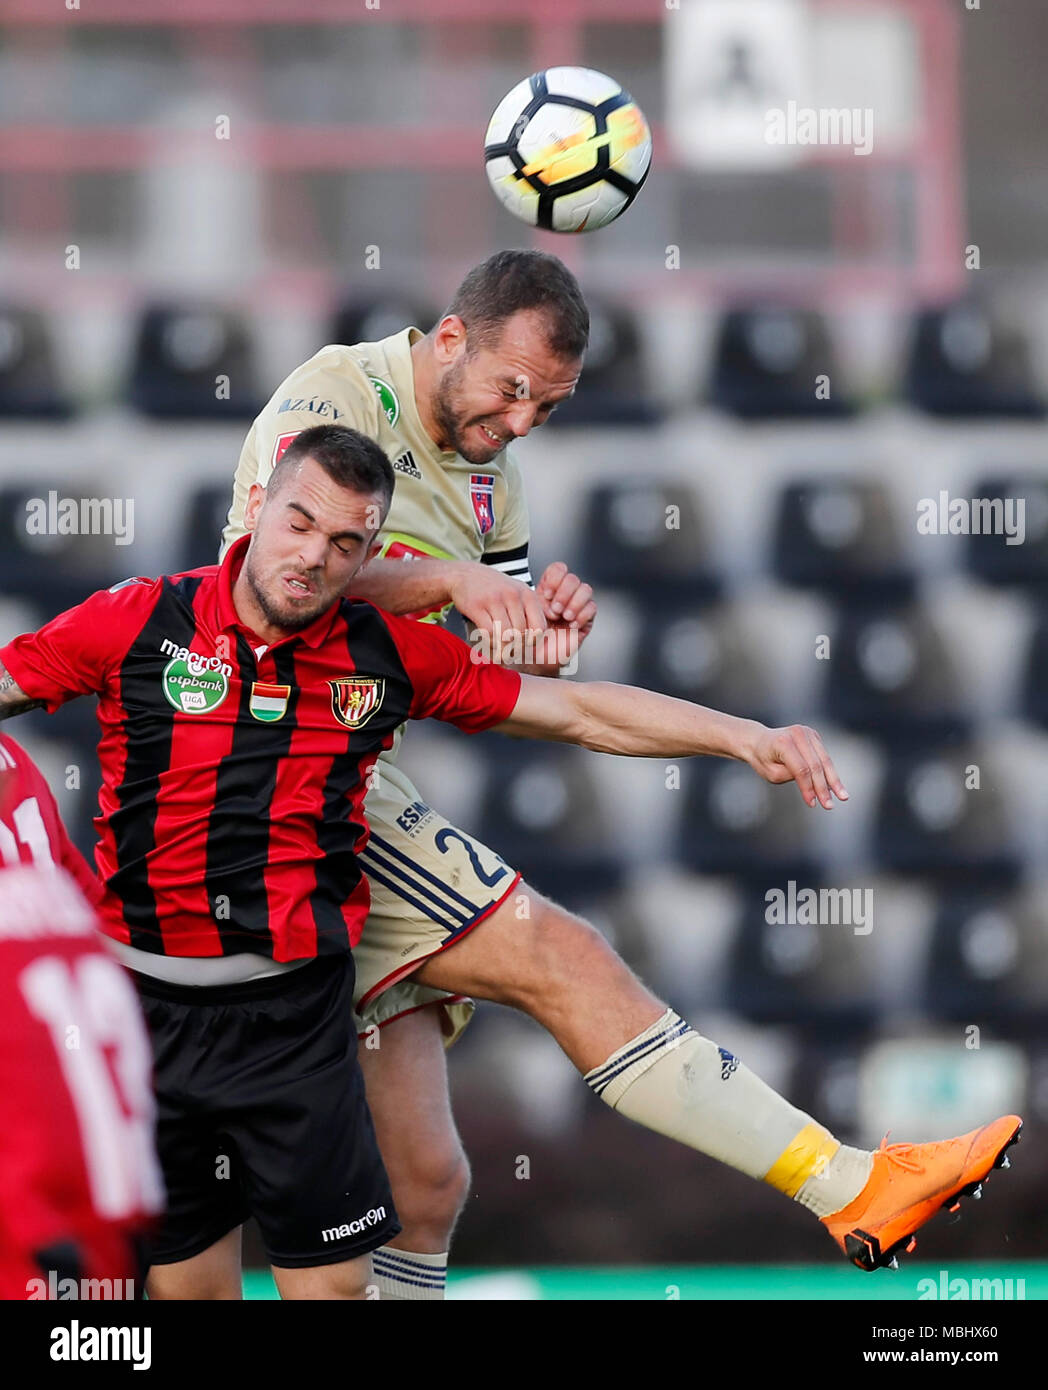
(348, 457)
(511, 281)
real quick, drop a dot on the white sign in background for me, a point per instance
(730, 63)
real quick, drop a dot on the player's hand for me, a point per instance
(566, 601)
(796, 754)
(493, 602)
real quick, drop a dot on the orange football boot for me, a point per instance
(909, 1183)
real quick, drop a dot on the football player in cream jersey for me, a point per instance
(449, 918)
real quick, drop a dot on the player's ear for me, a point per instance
(256, 496)
(449, 339)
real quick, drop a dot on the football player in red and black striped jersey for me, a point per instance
(242, 707)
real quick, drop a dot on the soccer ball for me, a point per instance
(568, 150)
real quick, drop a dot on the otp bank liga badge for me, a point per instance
(268, 703)
(482, 495)
(387, 398)
(193, 688)
(355, 699)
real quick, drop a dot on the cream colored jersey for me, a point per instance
(442, 505)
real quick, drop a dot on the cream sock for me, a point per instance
(672, 1080)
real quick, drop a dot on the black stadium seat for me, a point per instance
(540, 810)
(962, 363)
(813, 975)
(732, 822)
(890, 677)
(29, 384)
(72, 555)
(987, 960)
(1034, 696)
(647, 537)
(698, 654)
(193, 363)
(1004, 553)
(367, 317)
(205, 521)
(767, 362)
(612, 389)
(841, 536)
(931, 822)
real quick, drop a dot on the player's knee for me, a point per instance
(556, 950)
(430, 1193)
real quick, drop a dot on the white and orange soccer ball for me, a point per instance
(567, 149)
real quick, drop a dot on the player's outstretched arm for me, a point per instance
(482, 595)
(13, 700)
(641, 724)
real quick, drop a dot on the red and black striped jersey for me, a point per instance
(234, 774)
(31, 830)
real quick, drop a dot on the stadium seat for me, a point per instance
(205, 521)
(1034, 695)
(697, 653)
(647, 537)
(29, 385)
(815, 976)
(734, 823)
(612, 389)
(840, 535)
(767, 362)
(962, 363)
(367, 318)
(539, 809)
(1021, 557)
(890, 676)
(987, 960)
(826, 1081)
(193, 362)
(941, 814)
(52, 569)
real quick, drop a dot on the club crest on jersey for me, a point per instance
(482, 495)
(354, 699)
(283, 440)
(268, 703)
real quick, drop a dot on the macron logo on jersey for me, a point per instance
(197, 664)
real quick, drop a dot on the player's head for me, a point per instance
(508, 349)
(315, 524)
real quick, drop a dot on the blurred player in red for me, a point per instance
(79, 1178)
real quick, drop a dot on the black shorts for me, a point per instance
(261, 1112)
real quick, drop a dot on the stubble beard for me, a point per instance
(448, 417)
(293, 621)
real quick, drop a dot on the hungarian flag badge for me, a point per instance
(268, 702)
